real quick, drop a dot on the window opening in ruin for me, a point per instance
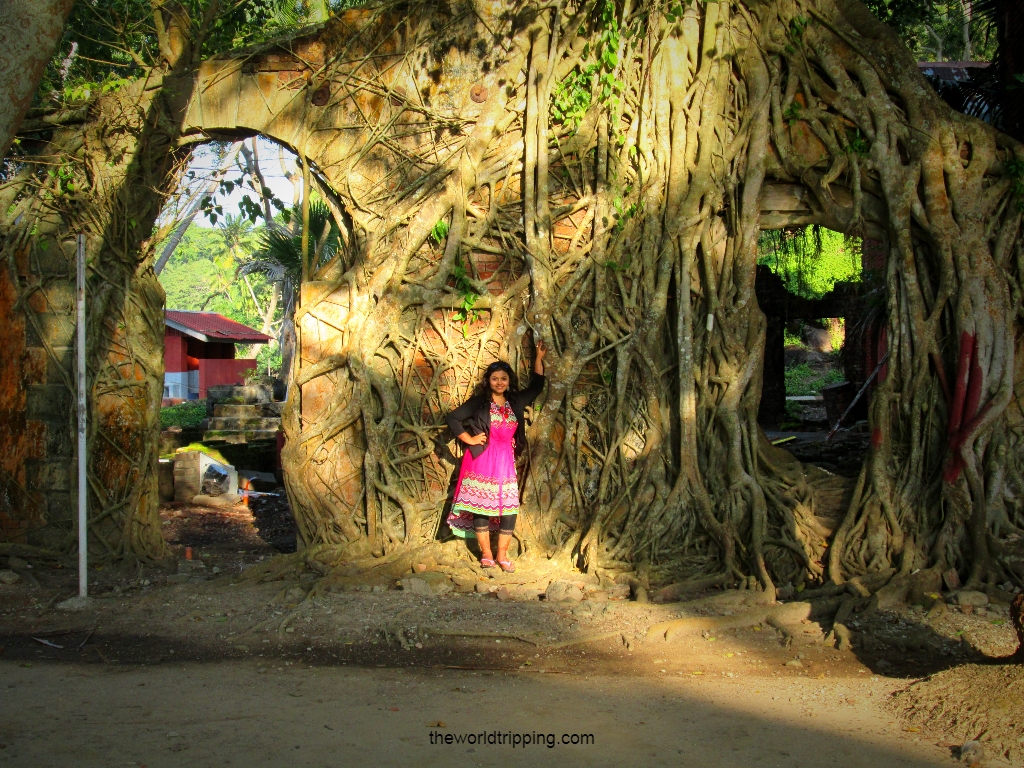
(229, 258)
(810, 286)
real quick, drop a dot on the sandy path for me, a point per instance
(231, 713)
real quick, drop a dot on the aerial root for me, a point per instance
(674, 592)
(773, 615)
(471, 633)
(1017, 619)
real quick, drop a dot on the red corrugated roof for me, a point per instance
(214, 326)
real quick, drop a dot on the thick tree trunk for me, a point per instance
(116, 173)
(29, 32)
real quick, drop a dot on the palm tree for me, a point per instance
(279, 259)
(236, 232)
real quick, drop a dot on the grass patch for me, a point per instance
(188, 414)
(803, 380)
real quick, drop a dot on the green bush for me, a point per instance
(213, 453)
(187, 414)
(803, 380)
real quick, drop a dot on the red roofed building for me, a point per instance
(199, 352)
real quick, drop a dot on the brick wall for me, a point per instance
(37, 449)
(223, 371)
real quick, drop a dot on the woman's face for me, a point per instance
(498, 382)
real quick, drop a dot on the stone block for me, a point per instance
(60, 441)
(63, 365)
(61, 506)
(558, 591)
(429, 583)
(224, 500)
(35, 367)
(56, 330)
(49, 475)
(48, 402)
(60, 297)
(166, 480)
(923, 585)
(969, 597)
(52, 262)
(235, 423)
(618, 592)
(47, 537)
(34, 445)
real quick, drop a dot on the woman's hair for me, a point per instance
(484, 387)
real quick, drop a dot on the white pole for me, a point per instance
(83, 497)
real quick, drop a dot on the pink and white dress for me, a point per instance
(487, 485)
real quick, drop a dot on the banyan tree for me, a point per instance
(593, 173)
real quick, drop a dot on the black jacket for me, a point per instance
(474, 415)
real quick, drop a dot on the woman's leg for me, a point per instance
(481, 527)
(508, 525)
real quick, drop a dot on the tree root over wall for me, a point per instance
(593, 174)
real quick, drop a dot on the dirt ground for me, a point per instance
(199, 667)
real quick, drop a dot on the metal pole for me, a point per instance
(857, 398)
(83, 497)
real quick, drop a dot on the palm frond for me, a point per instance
(279, 251)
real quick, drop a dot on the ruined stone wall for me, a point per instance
(37, 453)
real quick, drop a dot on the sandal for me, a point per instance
(486, 562)
(507, 566)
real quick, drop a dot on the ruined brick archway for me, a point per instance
(625, 234)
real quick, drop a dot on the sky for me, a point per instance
(208, 158)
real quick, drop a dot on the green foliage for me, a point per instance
(108, 43)
(268, 360)
(803, 380)
(213, 453)
(439, 231)
(63, 177)
(1015, 170)
(187, 285)
(187, 414)
(198, 276)
(810, 260)
(797, 25)
(925, 26)
(573, 96)
(465, 314)
(673, 13)
(624, 213)
(792, 113)
(198, 244)
(857, 143)
(278, 252)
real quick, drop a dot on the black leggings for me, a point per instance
(482, 523)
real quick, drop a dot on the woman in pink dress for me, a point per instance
(490, 425)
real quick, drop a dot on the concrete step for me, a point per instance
(218, 423)
(220, 393)
(236, 411)
(240, 436)
(263, 410)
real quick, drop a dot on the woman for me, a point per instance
(490, 424)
